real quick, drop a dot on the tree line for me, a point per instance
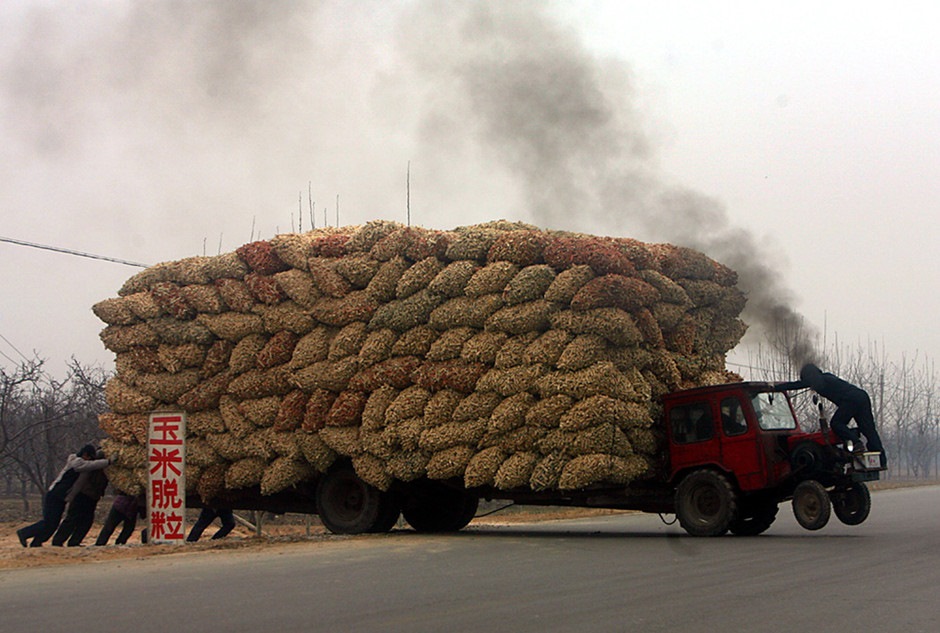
(43, 419)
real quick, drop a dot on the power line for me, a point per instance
(69, 251)
(8, 357)
(750, 366)
(15, 349)
(7, 341)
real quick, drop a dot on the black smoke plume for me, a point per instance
(564, 122)
(194, 113)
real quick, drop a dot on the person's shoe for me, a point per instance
(19, 534)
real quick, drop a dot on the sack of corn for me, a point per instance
(497, 354)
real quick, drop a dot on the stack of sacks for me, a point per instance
(499, 354)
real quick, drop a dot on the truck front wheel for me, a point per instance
(853, 504)
(706, 503)
(811, 505)
(348, 505)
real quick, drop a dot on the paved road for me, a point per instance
(620, 573)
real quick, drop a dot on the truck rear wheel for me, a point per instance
(706, 503)
(811, 505)
(754, 517)
(348, 505)
(431, 506)
(389, 513)
(853, 504)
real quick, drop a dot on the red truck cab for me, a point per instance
(735, 451)
(740, 428)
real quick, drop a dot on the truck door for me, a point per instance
(741, 453)
(694, 439)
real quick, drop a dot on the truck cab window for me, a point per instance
(773, 411)
(733, 421)
(691, 423)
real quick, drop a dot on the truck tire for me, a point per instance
(389, 513)
(853, 504)
(811, 505)
(706, 503)
(348, 505)
(754, 517)
(807, 460)
(431, 506)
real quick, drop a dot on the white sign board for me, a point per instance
(166, 463)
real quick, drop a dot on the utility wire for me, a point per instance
(8, 357)
(752, 367)
(68, 251)
(15, 349)
(7, 341)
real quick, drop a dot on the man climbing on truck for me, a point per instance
(851, 402)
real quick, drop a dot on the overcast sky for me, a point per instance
(806, 133)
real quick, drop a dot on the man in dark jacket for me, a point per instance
(851, 402)
(82, 499)
(206, 517)
(125, 510)
(53, 503)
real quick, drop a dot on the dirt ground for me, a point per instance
(280, 531)
(277, 531)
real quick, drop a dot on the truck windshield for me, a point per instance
(772, 411)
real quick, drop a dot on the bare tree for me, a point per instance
(910, 406)
(43, 418)
(15, 386)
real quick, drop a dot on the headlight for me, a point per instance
(849, 446)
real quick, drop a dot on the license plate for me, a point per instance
(871, 461)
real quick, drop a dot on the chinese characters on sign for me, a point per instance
(166, 497)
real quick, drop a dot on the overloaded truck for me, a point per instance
(372, 372)
(734, 453)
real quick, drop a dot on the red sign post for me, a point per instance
(166, 462)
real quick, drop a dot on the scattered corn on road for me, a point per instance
(614, 573)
